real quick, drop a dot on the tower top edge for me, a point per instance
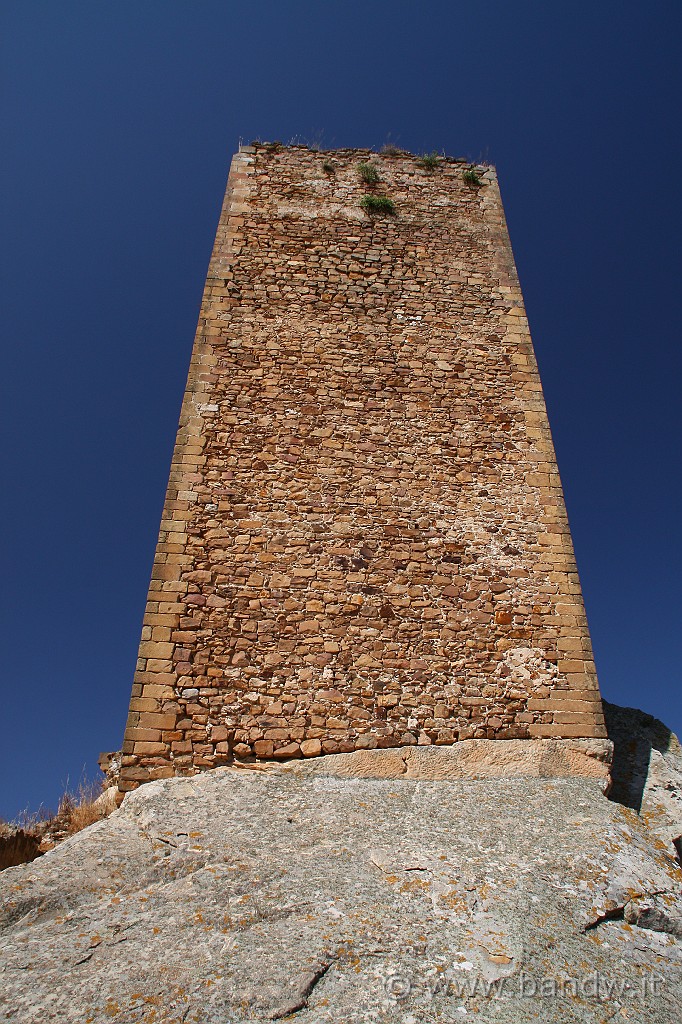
(386, 152)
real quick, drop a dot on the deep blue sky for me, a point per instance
(119, 120)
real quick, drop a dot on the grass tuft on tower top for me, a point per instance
(470, 177)
(368, 173)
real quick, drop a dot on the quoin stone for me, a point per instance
(364, 542)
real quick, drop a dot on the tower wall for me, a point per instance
(364, 542)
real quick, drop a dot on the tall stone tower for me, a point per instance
(364, 542)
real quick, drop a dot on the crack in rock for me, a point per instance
(300, 1000)
(616, 914)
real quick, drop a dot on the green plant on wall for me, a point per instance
(328, 167)
(428, 161)
(470, 177)
(368, 173)
(377, 204)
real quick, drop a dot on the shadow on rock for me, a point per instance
(634, 735)
(647, 770)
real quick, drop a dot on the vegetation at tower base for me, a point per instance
(364, 543)
(33, 834)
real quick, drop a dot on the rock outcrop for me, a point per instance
(294, 892)
(17, 846)
(646, 770)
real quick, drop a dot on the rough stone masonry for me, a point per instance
(364, 542)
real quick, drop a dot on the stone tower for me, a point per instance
(364, 542)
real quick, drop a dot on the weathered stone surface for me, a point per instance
(107, 801)
(110, 761)
(647, 770)
(243, 896)
(470, 759)
(661, 912)
(364, 525)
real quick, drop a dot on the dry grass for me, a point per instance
(80, 809)
(31, 822)
(32, 833)
(77, 809)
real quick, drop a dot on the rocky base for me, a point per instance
(466, 759)
(244, 896)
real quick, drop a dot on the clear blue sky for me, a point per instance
(119, 120)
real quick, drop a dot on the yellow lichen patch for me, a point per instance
(415, 885)
(454, 900)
